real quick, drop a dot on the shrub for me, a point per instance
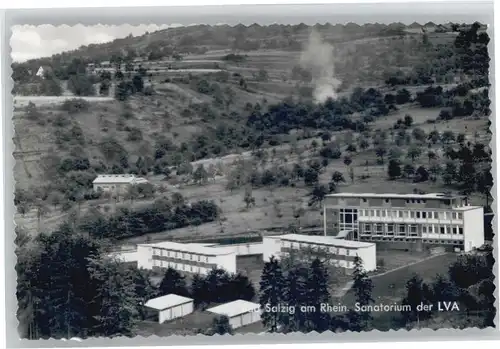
(75, 105)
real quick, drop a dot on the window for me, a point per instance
(455, 230)
(461, 231)
(387, 200)
(400, 214)
(372, 213)
(379, 228)
(406, 214)
(460, 215)
(402, 228)
(424, 229)
(442, 230)
(454, 215)
(377, 213)
(412, 214)
(390, 229)
(368, 228)
(424, 214)
(383, 213)
(347, 251)
(199, 258)
(418, 214)
(436, 215)
(413, 230)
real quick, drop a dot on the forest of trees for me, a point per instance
(93, 295)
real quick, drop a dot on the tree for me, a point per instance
(116, 302)
(81, 85)
(248, 198)
(403, 96)
(310, 176)
(317, 294)
(419, 134)
(200, 175)
(362, 286)
(318, 194)
(434, 136)
(448, 137)
(431, 155)
(297, 213)
(221, 325)
(295, 294)
(421, 174)
(394, 169)
(409, 170)
(262, 75)
(417, 292)
(337, 177)
(380, 151)
(414, 153)
(56, 304)
(449, 173)
(104, 87)
(408, 120)
(271, 293)
(347, 160)
(173, 282)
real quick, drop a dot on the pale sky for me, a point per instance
(30, 41)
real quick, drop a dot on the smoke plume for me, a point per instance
(317, 58)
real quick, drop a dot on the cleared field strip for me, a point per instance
(20, 101)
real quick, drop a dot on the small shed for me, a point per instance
(170, 307)
(239, 312)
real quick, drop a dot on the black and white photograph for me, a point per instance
(275, 172)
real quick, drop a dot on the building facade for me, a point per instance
(408, 221)
(117, 183)
(187, 258)
(338, 252)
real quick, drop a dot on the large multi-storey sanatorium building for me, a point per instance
(409, 221)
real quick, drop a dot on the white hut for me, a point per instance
(239, 312)
(170, 307)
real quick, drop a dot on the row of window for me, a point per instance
(341, 251)
(411, 214)
(181, 267)
(413, 201)
(427, 241)
(409, 229)
(180, 255)
(334, 262)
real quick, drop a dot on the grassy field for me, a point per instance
(390, 288)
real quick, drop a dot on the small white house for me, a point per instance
(40, 72)
(170, 307)
(239, 312)
(118, 183)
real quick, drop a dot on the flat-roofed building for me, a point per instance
(409, 221)
(170, 307)
(117, 183)
(337, 252)
(239, 312)
(189, 258)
